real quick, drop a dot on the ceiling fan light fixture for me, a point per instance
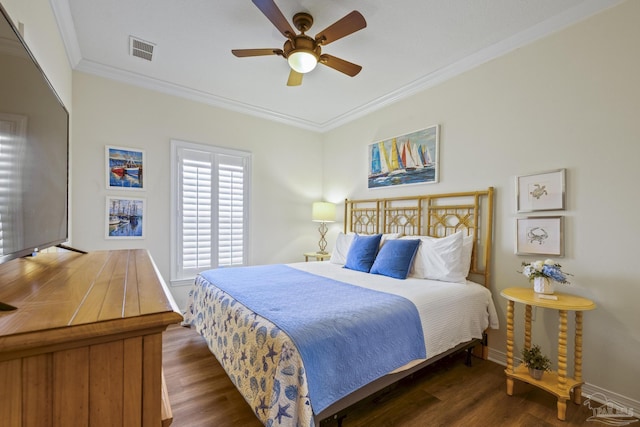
(302, 61)
(300, 50)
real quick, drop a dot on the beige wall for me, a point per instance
(42, 36)
(570, 101)
(286, 179)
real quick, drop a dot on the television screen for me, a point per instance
(34, 134)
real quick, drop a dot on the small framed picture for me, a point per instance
(125, 168)
(540, 235)
(541, 192)
(125, 218)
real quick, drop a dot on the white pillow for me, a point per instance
(467, 248)
(439, 258)
(340, 251)
(389, 236)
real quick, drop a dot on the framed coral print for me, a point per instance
(125, 218)
(125, 168)
(540, 235)
(411, 158)
(541, 192)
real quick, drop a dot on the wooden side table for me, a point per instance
(318, 256)
(554, 382)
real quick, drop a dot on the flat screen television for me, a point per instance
(34, 145)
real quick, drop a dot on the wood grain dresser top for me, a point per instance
(82, 295)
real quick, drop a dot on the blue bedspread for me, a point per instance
(348, 336)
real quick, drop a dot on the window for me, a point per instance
(210, 195)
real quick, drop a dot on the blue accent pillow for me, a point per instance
(395, 258)
(363, 252)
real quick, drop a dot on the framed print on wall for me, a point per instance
(541, 192)
(411, 158)
(125, 168)
(125, 218)
(540, 235)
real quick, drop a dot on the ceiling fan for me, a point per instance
(301, 51)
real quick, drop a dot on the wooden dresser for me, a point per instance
(84, 347)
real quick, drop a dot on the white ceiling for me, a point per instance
(407, 46)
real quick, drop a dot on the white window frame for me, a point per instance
(180, 276)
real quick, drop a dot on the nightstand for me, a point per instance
(316, 255)
(556, 383)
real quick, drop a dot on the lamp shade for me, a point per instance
(323, 212)
(302, 61)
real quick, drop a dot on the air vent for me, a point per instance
(140, 48)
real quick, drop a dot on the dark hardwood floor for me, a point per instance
(447, 393)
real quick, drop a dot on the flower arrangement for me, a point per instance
(547, 268)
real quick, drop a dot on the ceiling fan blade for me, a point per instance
(241, 53)
(271, 11)
(295, 78)
(351, 23)
(346, 67)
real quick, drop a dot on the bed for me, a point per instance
(407, 284)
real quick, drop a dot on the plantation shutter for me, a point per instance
(230, 211)
(197, 237)
(212, 195)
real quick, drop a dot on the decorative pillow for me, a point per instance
(363, 252)
(439, 259)
(343, 242)
(395, 258)
(340, 251)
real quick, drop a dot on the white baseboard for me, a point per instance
(589, 391)
(182, 282)
(604, 396)
(498, 357)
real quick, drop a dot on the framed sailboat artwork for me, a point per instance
(125, 168)
(407, 159)
(125, 218)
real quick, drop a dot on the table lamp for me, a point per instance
(323, 212)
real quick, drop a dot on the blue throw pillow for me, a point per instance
(363, 252)
(395, 258)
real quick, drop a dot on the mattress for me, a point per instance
(451, 313)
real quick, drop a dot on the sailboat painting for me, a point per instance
(125, 218)
(124, 168)
(407, 159)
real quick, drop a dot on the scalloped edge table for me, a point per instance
(556, 383)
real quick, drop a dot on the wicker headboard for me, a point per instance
(435, 215)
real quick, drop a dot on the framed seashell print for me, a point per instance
(540, 235)
(541, 192)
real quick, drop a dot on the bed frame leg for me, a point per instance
(338, 420)
(467, 361)
(482, 351)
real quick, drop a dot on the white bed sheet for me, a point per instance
(450, 313)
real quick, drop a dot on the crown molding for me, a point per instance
(64, 19)
(169, 88)
(537, 32)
